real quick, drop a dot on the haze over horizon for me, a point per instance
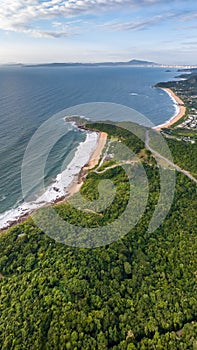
(37, 31)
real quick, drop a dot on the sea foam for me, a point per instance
(59, 188)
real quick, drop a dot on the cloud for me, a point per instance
(21, 15)
(36, 33)
(189, 17)
(132, 25)
(190, 43)
(143, 24)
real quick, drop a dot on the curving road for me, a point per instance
(158, 155)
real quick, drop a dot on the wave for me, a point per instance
(175, 105)
(2, 198)
(57, 189)
(133, 94)
(177, 110)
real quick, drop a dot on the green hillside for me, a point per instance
(136, 293)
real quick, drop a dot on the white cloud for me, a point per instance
(132, 25)
(20, 15)
(145, 23)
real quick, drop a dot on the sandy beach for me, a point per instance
(177, 117)
(77, 182)
(93, 161)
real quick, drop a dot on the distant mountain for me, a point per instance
(142, 63)
(11, 65)
(136, 63)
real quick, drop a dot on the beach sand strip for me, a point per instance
(178, 116)
(93, 161)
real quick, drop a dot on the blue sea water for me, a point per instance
(30, 96)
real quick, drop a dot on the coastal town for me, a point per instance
(183, 126)
(191, 121)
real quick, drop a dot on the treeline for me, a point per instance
(131, 134)
(184, 154)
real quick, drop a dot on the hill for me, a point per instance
(136, 63)
(137, 293)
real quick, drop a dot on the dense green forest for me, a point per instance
(184, 154)
(136, 293)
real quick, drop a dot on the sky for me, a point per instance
(43, 31)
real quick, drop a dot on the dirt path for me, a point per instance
(115, 166)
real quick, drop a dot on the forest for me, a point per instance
(137, 293)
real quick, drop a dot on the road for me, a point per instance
(158, 155)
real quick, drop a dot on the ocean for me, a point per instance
(30, 96)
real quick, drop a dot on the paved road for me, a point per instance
(158, 155)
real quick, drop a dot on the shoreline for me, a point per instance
(92, 162)
(77, 182)
(180, 114)
(94, 158)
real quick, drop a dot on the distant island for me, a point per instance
(130, 63)
(135, 63)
